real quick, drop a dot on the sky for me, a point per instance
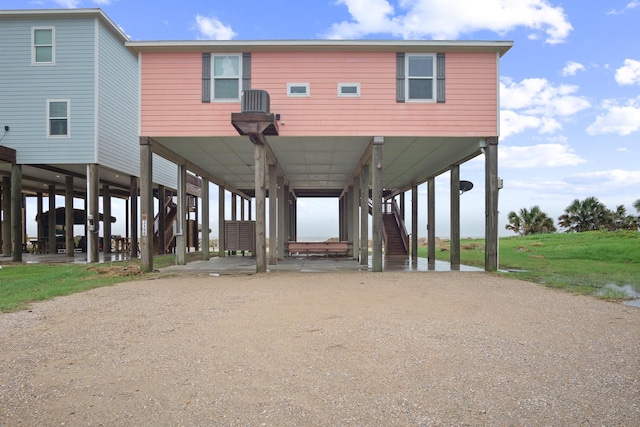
(569, 87)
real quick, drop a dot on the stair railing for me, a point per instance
(391, 207)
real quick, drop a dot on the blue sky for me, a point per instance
(570, 86)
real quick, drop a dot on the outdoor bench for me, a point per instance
(319, 248)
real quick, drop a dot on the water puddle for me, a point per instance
(633, 303)
(622, 292)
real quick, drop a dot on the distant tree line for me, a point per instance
(581, 215)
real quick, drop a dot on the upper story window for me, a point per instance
(349, 89)
(298, 89)
(227, 77)
(58, 118)
(43, 46)
(421, 71)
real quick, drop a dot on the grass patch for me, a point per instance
(583, 263)
(24, 284)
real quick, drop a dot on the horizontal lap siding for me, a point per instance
(24, 90)
(118, 141)
(470, 106)
(171, 96)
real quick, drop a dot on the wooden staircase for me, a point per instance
(396, 239)
(171, 210)
(394, 244)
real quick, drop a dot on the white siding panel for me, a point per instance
(24, 90)
(164, 172)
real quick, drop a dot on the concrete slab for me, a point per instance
(238, 264)
(246, 265)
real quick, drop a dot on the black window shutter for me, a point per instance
(440, 77)
(246, 71)
(206, 77)
(400, 77)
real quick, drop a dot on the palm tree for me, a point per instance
(532, 221)
(636, 205)
(589, 214)
(622, 221)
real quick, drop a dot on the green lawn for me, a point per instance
(22, 284)
(584, 263)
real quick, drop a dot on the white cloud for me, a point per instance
(536, 156)
(631, 5)
(444, 19)
(542, 188)
(621, 119)
(512, 123)
(606, 181)
(572, 68)
(71, 4)
(540, 97)
(211, 28)
(536, 104)
(629, 73)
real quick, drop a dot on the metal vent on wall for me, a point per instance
(255, 101)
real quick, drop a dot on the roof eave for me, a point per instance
(319, 45)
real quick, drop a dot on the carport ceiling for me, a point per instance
(323, 166)
(37, 179)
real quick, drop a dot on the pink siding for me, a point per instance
(171, 96)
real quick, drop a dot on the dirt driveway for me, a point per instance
(296, 349)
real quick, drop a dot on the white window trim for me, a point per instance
(33, 46)
(299, 95)
(213, 78)
(349, 95)
(432, 78)
(68, 135)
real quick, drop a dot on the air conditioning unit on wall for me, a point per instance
(255, 101)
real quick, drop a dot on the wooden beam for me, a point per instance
(414, 222)
(68, 217)
(146, 205)
(6, 216)
(16, 212)
(221, 222)
(259, 162)
(454, 247)
(106, 224)
(376, 187)
(364, 214)
(273, 215)
(7, 154)
(134, 216)
(431, 223)
(204, 190)
(491, 205)
(51, 235)
(93, 191)
(256, 123)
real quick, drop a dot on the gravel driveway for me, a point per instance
(306, 349)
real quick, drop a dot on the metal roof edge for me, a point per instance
(319, 45)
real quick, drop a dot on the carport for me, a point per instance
(340, 167)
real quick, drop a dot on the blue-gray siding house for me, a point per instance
(69, 107)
